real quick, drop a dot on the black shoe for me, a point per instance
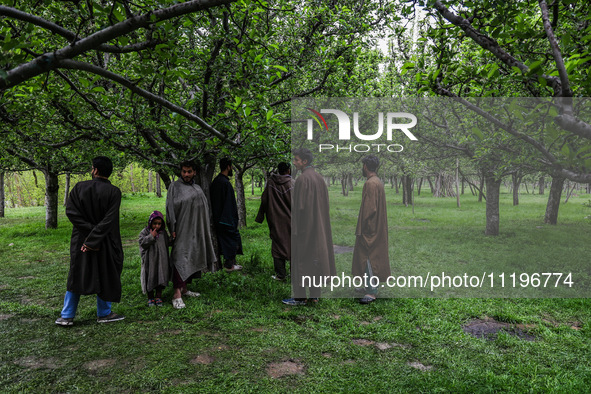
(111, 317)
(62, 321)
(367, 300)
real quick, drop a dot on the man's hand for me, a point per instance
(173, 235)
(85, 248)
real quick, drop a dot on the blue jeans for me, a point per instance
(103, 308)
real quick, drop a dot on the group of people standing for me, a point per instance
(297, 214)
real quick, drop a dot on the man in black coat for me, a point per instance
(96, 253)
(225, 216)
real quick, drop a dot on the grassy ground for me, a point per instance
(238, 336)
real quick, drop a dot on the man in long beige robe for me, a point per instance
(371, 245)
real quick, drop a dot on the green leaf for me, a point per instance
(494, 71)
(535, 67)
(269, 114)
(280, 68)
(123, 41)
(476, 131)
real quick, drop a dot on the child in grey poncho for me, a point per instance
(155, 272)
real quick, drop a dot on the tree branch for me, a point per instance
(76, 65)
(565, 90)
(48, 61)
(490, 44)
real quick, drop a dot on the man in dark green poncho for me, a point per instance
(225, 216)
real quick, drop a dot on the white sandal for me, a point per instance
(177, 303)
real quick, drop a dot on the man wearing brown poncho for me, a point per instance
(371, 245)
(276, 205)
(311, 234)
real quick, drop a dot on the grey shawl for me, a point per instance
(187, 215)
(155, 267)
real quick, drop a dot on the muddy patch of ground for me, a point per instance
(338, 249)
(285, 368)
(97, 365)
(419, 366)
(379, 345)
(576, 325)
(363, 342)
(489, 328)
(33, 362)
(203, 359)
(5, 317)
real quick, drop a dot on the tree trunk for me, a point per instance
(554, 200)
(240, 197)
(406, 190)
(166, 179)
(542, 180)
(344, 187)
(419, 186)
(158, 185)
(480, 191)
(431, 186)
(569, 193)
(131, 178)
(51, 198)
(150, 182)
(252, 185)
(396, 184)
(350, 182)
(9, 186)
(515, 182)
(205, 171)
(67, 188)
(493, 190)
(2, 195)
(458, 182)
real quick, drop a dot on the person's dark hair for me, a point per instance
(371, 162)
(224, 163)
(283, 168)
(304, 154)
(188, 163)
(104, 165)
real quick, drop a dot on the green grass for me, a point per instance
(239, 326)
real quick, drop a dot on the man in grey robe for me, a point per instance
(187, 215)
